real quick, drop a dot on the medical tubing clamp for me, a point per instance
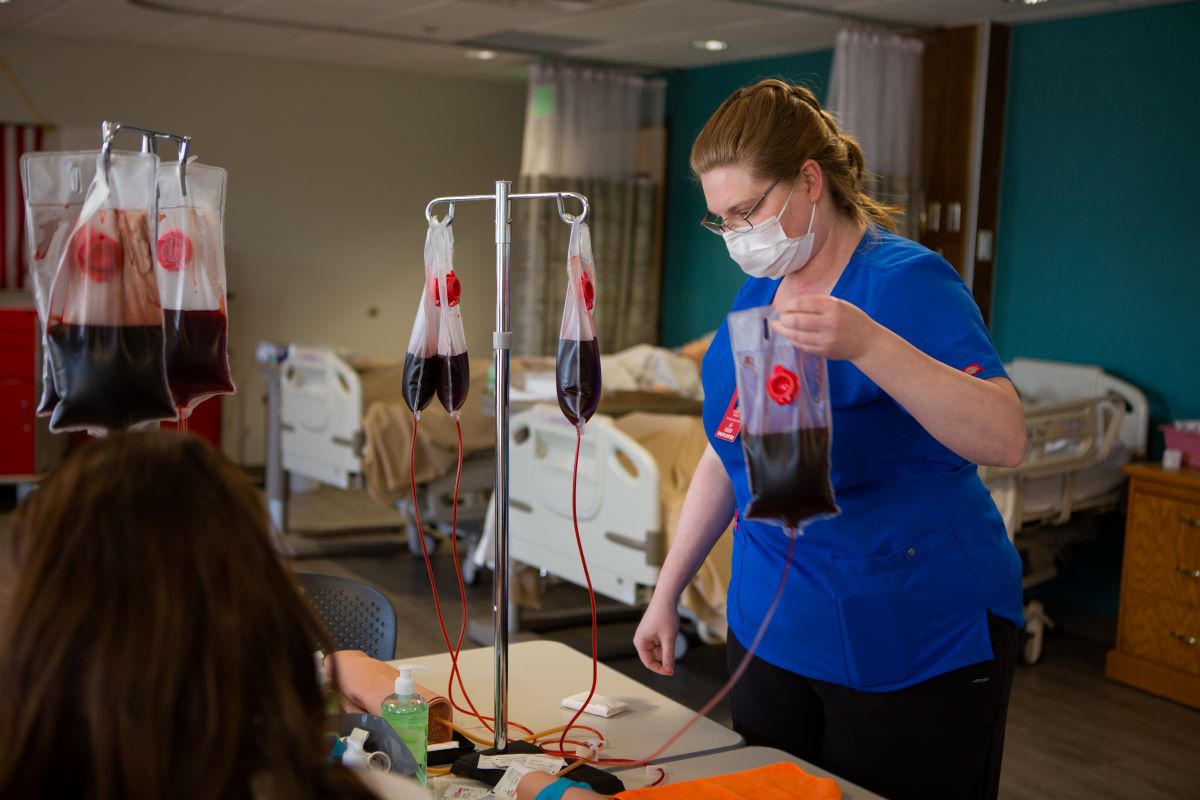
(502, 344)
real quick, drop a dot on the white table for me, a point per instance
(541, 673)
(737, 760)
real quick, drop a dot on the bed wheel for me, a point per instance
(1036, 622)
(414, 544)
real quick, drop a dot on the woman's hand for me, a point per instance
(655, 637)
(825, 326)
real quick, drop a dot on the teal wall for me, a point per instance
(699, 279)
(1097, 242)
(1096, 252)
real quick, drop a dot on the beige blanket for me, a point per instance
(388, 426)
(676, 442)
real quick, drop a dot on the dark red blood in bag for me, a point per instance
(455, 381)
(97, 254)
(453, 288)
(175, 250)
(108, 376)
(789, 475)
(197, 364)
(578, 368)
(421, 379)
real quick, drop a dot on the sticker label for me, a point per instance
(731, 424)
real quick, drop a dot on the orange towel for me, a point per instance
(782, 781)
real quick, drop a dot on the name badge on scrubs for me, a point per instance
(731, 425)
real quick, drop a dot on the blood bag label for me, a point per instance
(731, 424)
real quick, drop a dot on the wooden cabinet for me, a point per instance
(1158, 635)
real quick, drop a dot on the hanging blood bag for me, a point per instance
(103, 313)
(454, 375)
(55, 185)
(578, 360)
(190, 264)
(783, 395)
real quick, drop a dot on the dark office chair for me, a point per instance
(358, 616)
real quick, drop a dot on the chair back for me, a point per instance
(357, 616)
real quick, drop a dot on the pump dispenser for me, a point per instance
(408, 714)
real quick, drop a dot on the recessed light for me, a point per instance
(712, 45)
(482, 55)
(1026, 2)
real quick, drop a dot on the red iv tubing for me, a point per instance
(454, 651)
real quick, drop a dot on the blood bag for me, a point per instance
(454, 374)
(783, 394)
(103, 314)
(190, 265)
(422, 367)
(578, 361)
(55, 185)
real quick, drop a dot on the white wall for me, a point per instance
(329, 172)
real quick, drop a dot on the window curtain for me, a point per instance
(582, 130)
(875, 92)
(15, 141)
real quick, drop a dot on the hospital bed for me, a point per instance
(1083, 426)
(319, 401)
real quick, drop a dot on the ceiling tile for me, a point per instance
(456, 20)
(335, 13)
(99, 19)
(13, 15)
(651, 17)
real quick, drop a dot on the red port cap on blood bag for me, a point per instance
(174, 250)
(589, 291)
(782, 385)
(97, 254)
(453, 288)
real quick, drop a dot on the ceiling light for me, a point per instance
(1027, 2)
(482, 55)
(712, 45)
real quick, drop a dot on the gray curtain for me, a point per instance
(628, 278)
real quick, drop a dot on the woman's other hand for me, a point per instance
(825, 326)
(655, 637)
(363, 681)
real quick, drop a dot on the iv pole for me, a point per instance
(502, 344)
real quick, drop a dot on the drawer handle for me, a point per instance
(1193, 521)
(1191, 573)
(1190, 641)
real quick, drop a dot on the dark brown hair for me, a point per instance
(153, 644)
(772, 128)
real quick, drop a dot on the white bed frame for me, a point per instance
(620, 510)
(320, 412)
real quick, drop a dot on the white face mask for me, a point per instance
(765, 251)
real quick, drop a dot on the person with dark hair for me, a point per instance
(891, 656)
(152, 643)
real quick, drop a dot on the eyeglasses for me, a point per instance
(741, 223)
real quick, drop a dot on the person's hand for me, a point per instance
(655, 637)
(825, 326)
(364, 682)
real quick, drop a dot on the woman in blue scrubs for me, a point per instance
(890, 659)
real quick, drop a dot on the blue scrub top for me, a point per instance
(895, 589)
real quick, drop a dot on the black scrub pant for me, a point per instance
(942, 738)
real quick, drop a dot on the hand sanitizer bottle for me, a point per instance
(408, 714)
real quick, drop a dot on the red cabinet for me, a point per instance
(18, 361)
